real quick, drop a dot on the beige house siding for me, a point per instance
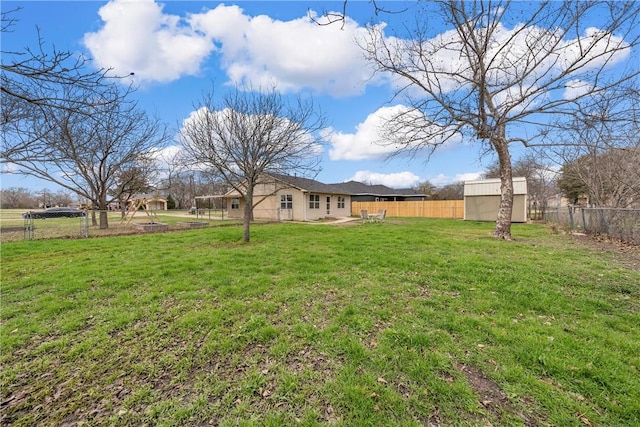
(270, 208)
(328, 206)
(482, 200)
(157, 205)
(149, 203)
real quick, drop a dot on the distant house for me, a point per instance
(291, 198)
(361, 192)
(148, 202)
(482, 200)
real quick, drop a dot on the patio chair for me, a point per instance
(364, 215)
(382, 213)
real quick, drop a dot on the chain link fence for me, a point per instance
(18, 225)
(43, 224)
(622, 224)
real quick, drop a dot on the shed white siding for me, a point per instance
(482, 200)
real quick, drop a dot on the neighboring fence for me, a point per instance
(40, 224)
(20, 225)
(425, 209)
(623, 224)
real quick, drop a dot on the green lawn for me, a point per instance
(407, 322)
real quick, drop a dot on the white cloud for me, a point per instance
(260, 51)
(467, 176)
(138, 37)
(166, 155)
(394, 180)
(8, 167)
(595, 48)
(164, 159)
(366, 142)
(442, 179)
(576, 88)
(382, 134)
(291, 54)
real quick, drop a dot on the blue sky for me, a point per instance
(173, 67)
(177, 48)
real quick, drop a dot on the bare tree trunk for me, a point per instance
(246, 224)
(248, 214)
(503, 222)
(104, 220)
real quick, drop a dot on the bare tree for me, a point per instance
(501, 71)
(16, 198)
(250, 134)
(63, 197)
(453, 191)
(605, 179)
(185, 185)
(88, 150)
(600, 155)
(132, 181)
(40, 78)
(427, 188)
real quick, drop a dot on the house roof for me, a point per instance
(150, 197)
(362, 189)
(307, 184)
(351, 188)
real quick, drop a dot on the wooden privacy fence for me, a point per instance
(427, 209)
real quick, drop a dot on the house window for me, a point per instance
(340, 202)
(235, 203)
(286, 201)
(314, 201)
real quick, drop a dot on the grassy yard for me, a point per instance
(408, 322)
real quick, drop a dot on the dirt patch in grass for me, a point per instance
(491, 397)
(627, 254)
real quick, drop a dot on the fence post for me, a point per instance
(584, 221)
(571, 217)
(28, 227)
(85, 225)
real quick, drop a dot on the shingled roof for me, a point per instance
(307, 184)
(352, 188)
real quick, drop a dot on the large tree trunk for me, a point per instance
(248, 215)
(104, 220)
(503, 222)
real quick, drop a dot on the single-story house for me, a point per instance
(148, 202)
(291, 198)
(482, 200)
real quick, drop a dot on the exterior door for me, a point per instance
(328, 205)
(286, 207)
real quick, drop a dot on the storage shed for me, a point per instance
(482, 200)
